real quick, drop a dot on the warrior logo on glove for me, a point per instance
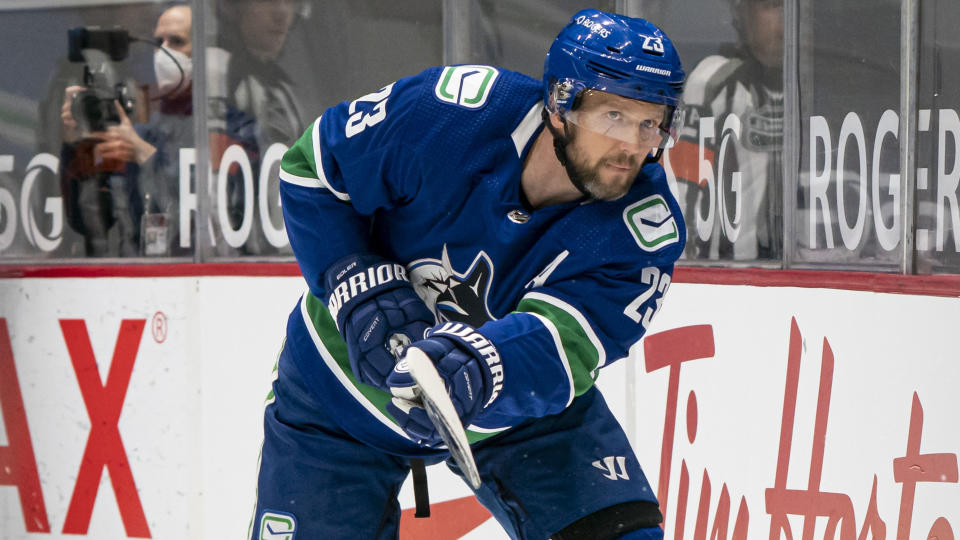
(376, 311)
(362, 280)
(484, 349)
(467, 363)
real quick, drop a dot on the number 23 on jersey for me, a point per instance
(367, 116)
(658, 282)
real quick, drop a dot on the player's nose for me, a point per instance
(630, 148)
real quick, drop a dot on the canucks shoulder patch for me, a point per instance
(277, 526)
(466, 86)
(651, 223)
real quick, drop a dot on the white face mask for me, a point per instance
(168, 75)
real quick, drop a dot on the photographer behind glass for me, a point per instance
(120, 181)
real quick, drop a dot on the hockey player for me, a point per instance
(520, 234)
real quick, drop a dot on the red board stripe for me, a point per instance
(150, 270)
(930, 285)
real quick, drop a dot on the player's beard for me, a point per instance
(586, 177)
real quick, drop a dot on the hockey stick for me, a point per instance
(433, 395)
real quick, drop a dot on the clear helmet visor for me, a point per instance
(648, 132)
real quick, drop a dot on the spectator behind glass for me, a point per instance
(745, 80)
(121, 185)
(252, 104)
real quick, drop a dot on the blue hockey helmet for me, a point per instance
(626, 56)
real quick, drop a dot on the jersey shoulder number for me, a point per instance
(367, 111)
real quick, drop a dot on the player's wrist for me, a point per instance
(538, 380)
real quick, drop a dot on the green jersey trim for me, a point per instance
(577, 343)
(318, 162)
(300, 180)
(304, 162)
(561, 352)
(333, 350)
(298, 161)
(271, 397)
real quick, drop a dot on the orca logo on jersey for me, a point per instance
(467, 86)
(454, 296)
(651, 223)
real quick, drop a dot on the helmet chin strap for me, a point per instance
(653, 158)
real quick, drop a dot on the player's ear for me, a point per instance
(556, 121)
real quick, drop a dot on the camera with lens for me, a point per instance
(93, 108)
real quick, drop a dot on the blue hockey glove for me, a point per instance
(469, 365)
(377, 312)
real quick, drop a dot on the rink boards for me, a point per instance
(132, 408)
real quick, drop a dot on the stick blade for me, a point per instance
(440, 409)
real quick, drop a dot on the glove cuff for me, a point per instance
(357, 277)
(476, 344)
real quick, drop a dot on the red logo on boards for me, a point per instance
(671, 350)
(104, 448)
(674, 348)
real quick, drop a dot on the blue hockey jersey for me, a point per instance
(426, 172)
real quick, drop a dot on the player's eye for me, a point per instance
(613, 115)
(649, 129)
